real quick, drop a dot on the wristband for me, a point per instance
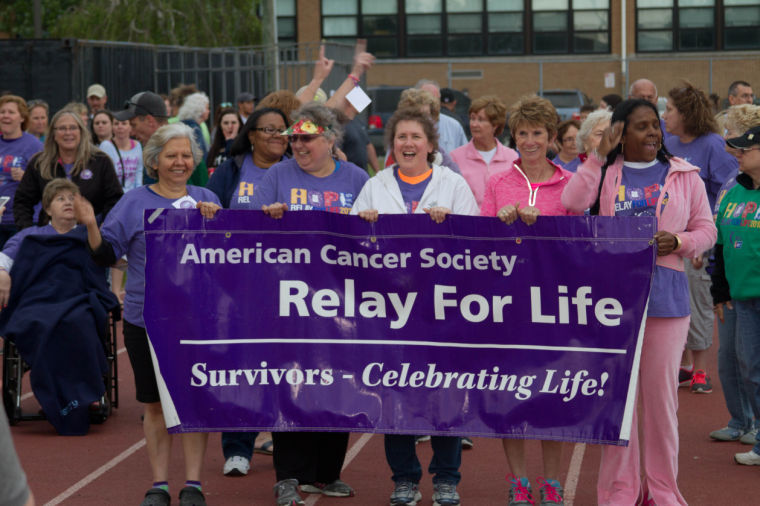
(354, 79)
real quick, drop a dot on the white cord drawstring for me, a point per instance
(532, 192)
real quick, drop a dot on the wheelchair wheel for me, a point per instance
(11, 385)
(99, 413)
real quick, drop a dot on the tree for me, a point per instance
(175, 22)
(17, 16)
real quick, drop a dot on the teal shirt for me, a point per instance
(738, 223)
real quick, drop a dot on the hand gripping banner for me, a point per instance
(325, 322)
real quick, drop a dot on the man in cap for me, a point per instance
(146, 113)
(449, 108)
(96, 98)
(245, 106)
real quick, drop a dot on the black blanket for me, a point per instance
(57, 317)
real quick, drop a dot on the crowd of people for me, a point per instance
(101, 169)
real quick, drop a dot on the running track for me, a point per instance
(109, 466)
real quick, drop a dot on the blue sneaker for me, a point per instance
(727, 434)
(406, 493)
(445, 494)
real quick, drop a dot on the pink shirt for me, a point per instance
(512, 186)
(475, 170)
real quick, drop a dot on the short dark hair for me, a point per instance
(412, 114)
(242, 144)
(732, 87)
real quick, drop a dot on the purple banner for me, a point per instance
(324, 322)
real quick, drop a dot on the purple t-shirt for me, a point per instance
(250, 178)
(571, 166)
(14, 153)
(123, 229)
(708, 152)
(285, 182)
(411, 192)
(640, 188)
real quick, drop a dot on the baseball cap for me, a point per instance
(447, 95)
(143, 104)
(750, 138)
(96, 90)
(245, 97)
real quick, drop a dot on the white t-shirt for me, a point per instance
(129, 166)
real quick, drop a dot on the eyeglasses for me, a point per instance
(70, 128)
(747, 150)
(305, 138)
(270, 130)
(225, 104)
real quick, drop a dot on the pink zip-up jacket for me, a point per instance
(687, 212)
(475, 170)
(512, 186)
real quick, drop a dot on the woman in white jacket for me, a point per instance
(415, 185)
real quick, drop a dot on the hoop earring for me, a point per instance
(659, 147)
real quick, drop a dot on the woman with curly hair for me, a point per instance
(688, 118)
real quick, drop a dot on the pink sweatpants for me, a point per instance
(656, 456)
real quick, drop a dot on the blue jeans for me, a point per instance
(734, 389)
(748, 351)
(238, 444)
(401, 454)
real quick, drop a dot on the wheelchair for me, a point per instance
(14, 368)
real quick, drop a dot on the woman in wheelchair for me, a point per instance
(58, 203)
(170, 156)
(56, 316)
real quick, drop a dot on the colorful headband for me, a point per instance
(304, 127)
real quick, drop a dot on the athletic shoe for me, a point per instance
(550, 494)
(156, 497)
(334, 489)
(236, 466)
(519, 491)
(748, 459)
(700, 383)
(749, 438)
(445, 494)
(286, 493)
(684, 376)
(405, 493)
(727, 434)
(467, 443)
(191, 496)
(421, 439)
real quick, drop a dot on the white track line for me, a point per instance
(350, 455)
(96, 474)
(29, 395)
(573, 473)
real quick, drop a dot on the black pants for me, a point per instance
(309, 457)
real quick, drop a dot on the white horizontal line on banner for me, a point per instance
(212, 342)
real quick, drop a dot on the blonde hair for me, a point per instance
(533, 110)
(741, 118)
(22, 108)
(48, 158)
(494, 109)
(415, 98)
